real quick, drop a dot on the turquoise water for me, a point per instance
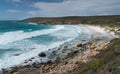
(14, 28)
(29, 40)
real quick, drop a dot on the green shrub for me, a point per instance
(94, 64)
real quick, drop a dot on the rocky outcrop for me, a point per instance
(80, 45)
(42, 54)
(106, 62)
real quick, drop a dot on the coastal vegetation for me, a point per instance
(101, 20)
(106, 62)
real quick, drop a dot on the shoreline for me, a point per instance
(86, 53)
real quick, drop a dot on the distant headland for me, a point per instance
(107, 19)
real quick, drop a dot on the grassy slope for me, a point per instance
(106, 62)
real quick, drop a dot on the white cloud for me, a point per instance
(14, 11)
(72, 8)
(18, 1)
(32, 12)
(75, 8)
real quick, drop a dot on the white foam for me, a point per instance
(20, 35)
(33, 23)
(19, 45)
(69, 32)
(19, 60)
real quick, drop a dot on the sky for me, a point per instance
(21, 9)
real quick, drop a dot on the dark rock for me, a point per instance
(32, 57)
(36, 65)
(71, 54)
(118, 30)
(58, 59)
(65, 46)
(58, 48)
(25, 62)
(83, 40)
(64, 49)
(79, 45)
(75, 51)
(54, 52)
(49, 62)
(33, 48)
(17, 54)
(66, 62)
(76, 62)
(42, 54)
(30, 60)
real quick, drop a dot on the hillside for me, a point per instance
(106, 62)
(112, 19)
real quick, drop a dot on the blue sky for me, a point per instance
(21, 9)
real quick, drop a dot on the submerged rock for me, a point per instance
(54, 52)
(64, 49)
(33, 48)
(17, 54)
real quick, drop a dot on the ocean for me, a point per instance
(20, 41)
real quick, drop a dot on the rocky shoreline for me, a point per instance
(82, 53)
(62, 65)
